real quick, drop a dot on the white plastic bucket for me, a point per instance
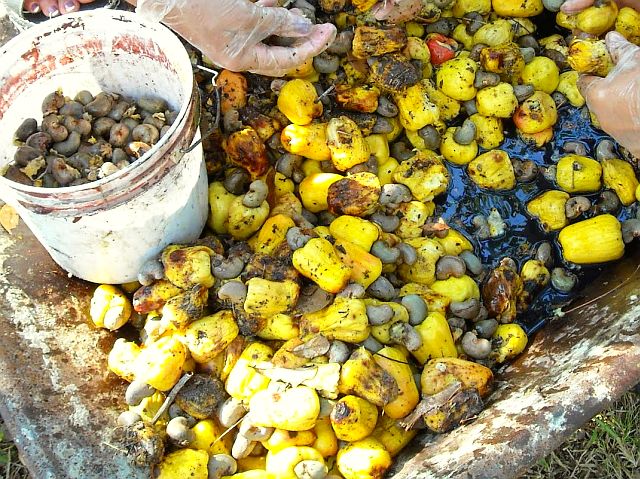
(105, 230)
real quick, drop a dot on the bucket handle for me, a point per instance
(216, 121)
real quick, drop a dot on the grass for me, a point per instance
(608, 447)
(10, 465)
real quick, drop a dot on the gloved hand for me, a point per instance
(397, 11)
(615, 100)
(231, 32)
(575, 6)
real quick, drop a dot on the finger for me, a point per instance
(276, 61)
(398, 11)
(68, 6)
(382, 10)
(49, 8)
(31, 7)
(266, 3)
(575, 6)
(620, 49)
(84, 2)
(279, 21)
(588, 86)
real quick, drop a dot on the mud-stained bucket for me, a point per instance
(105, 230)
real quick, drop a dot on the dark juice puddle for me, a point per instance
(464, 200)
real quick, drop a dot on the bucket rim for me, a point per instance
(78, 20)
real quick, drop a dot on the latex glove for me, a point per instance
(397, 11)
(615, 100)
(231, 32)
(575, 6)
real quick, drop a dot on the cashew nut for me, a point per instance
(394, 194)
(630, 230)
(417, 308)
(326, 63)
(179, 432)
(448, 266)
(382, 126)
(563, 280)
(545, 254)
(528, 54)
(388, 223)
(472, 262)
(605, 150)
(150, 271)
(404, 334)
(258, 192)
(128, 418)
(387, 254)
(575, 206)
(313, 298)
(430, 136)
(466, 133)
(338, 352)
(230, 412)
(226, 268)
(382, 289)
(242, 447)
(470, 107)
(474, 21)
(233, 291)
(525, 170)
(386, 107)
(575, 147)
(372, 344)
(296, 238)
(353, 291)
(477, 348)
(486, 328)
(137, 391)
(408, 253)
(221, 465)
(443, 26)
(484, 79)
(468, 309)
(522, 92)
(253, 432)
(379, 314)
(608, 202)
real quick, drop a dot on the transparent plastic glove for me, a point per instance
(575, 6)
(615, 100)
(231, 32)
(397, 11)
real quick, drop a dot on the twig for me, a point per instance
(123, 451)
(390, 359)
(172, 395)
(228, 430)
(325, 93)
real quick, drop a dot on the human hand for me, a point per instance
(615, 100)
(397, 11)
(231, 32)
(53, 8)
(576, 6)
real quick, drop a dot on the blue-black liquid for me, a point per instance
(463, 200)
